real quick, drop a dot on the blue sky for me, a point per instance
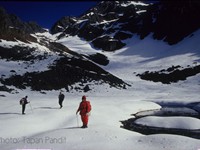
(46, 13)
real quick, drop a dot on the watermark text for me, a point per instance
(33, 140)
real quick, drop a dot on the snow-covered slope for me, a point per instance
(149, 55)
(47, 127)
(110, 22)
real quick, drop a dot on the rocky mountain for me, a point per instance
(36, 61)
(12, 28)
(111, 22)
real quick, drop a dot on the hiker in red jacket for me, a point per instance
(84, 109)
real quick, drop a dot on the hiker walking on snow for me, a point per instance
(61, 97)
(84, 109)
(23, 102)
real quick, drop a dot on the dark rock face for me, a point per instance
(99, 58)
(12, 21)
(16, 53)
(122, 35)
(65, 72)
(12, 28)
(172, 74)
(94, 32)
(97, 25)
(107, 43)
(170, 21)
(176, 20)
(63, 22)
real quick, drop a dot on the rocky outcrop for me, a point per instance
(170, 75)
(170, 21)
(68, 69)
(65, 72)
(175, 20)
(12, 28)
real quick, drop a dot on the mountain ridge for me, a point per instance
(111, 22)
(105, 27)
(29, 47)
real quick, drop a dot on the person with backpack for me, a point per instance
(61, 97)
(84, 109)
(23, 102)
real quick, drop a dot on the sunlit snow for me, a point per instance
(46, 127)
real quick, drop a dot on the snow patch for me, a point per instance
(170, 122)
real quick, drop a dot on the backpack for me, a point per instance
(89, 107)
(22, 101)
(61, 97)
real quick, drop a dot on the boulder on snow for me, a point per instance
(107, 43)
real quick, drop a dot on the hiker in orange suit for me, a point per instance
(84, 109)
